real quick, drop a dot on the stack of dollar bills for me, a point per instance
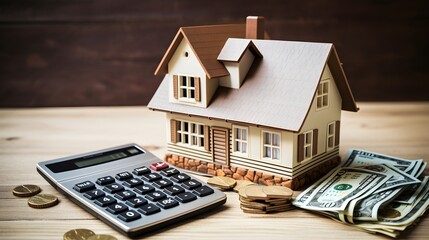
(374, 192)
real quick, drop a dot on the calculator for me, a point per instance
(130, 189)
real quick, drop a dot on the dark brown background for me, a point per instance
(102, 52)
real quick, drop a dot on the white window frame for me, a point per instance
(269, 149)
(188, 88)
(194, 134)
(308, 145)
(322, 95)
(240, 144)
(330, 136)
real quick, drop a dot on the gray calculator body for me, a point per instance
(65, 173)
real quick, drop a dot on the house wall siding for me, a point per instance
(319, 119)
(181, 65)
(253, 160)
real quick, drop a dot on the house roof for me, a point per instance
(235, 48)
(206, 42)
(278, 90)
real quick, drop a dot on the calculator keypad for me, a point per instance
(145, 191)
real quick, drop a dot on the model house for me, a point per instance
(243, 106)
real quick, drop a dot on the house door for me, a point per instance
(220, 143)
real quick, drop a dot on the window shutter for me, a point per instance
(337, 133)
(173, 131)
(197, 89)
(176, 86)
(315, 139)
(207, 138)
(300, 147)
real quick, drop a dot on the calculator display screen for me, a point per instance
(99, 160)
(94, 159)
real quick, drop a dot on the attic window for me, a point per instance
(186, 88)
(186, 54)
(322, 97)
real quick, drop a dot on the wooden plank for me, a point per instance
(29, 136)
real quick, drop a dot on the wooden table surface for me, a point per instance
(28, 136)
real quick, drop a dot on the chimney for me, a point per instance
(255, 27)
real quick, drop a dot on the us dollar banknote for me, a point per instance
(345, 184)
(399, 178)
(374, 192)
(366, 208)
(356, 157)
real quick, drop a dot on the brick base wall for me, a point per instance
(253, 175)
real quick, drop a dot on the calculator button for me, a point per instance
(104, 201)
(124, 195)
(163, 183)
(132, 182)
(113, 188)
(155, 196)
(105, 180)
(170, 172)
(136, 202)
(186, 197)
(149, 209)
(150, 177)
(141, 170)
(84, 186)
(159, 166)
(203, 191)
(191, 184)
(129, 216)
(116, 208)
(168, 203)
(93, 194)
(144, 189)
(174, 190)
(180, 177)
(123, 175)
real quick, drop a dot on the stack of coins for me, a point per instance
(265, 199)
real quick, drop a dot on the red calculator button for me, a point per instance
(158, 166)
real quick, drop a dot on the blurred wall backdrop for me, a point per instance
(104, 52)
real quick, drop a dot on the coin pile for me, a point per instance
(265, 199)
(86, 234)
(256, 198)
(36, 200)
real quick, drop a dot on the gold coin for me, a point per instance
(78, 234)
(223, 183)
(26, 190)
(255, 192)
(251, 210)
(101, 237)
(242, 183)
(277, 192)
(42, 201)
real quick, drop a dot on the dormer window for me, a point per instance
(186, 88)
